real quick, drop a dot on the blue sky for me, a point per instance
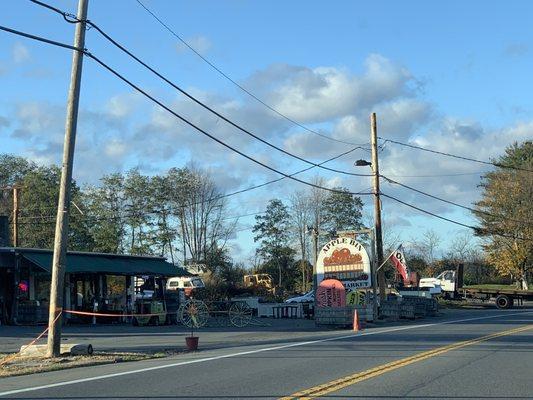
(450, 75)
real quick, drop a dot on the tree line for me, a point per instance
(180, 214)
(183, 215)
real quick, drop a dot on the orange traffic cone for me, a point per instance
(355, 321)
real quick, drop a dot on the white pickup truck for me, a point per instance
(444, 283)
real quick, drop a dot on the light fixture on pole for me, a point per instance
(362, 163)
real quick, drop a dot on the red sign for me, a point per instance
(331, 293)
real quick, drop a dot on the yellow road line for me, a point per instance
(349, 380)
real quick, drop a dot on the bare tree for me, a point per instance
(301, 211)
(200, 211)
(317, 198)
(428, 247)
(464, 250)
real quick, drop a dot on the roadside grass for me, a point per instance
(462, 303)
(492, 286)
(33, 365)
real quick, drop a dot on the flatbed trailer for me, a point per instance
(504, 298)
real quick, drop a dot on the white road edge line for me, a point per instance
(242, 353)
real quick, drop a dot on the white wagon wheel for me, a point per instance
(193, 314)
(240, 314)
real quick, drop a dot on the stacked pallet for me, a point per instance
(390, 309)
(343, 316)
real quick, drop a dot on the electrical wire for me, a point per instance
(499, 165)
(196, 100)
(451, 202)
(40, 39)
(477, 230)
(203, 131)
(217, 69)
(244, 215)
(251, 187)
(438, 175)
(124, 216)
(185, 120)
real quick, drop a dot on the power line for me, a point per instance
(162, 105)
(477, 230)
(251, 187)
(204, 132)
(143, 213)
(222, 73)
(451, 202)
(499, 165)
(429, 212)
(170, 211)
(196, 100)
(438, 175)
(244, 215)
(40, 39)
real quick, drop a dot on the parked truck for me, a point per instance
(451, 286)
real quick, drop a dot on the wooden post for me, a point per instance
(314, 235)
(15, 216)
(63, 206)
(377, 204)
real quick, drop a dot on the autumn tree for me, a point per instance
(506, 215)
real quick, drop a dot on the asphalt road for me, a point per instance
(124, 337)
(481, 354)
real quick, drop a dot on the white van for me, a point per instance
(188, 283)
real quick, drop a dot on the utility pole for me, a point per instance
(15, 216)
(63, 206)
(314, 237)
(377, 204)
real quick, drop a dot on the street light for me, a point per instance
(362, 163)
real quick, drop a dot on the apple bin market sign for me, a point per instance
(346, 260)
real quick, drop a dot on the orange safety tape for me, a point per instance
(110, 315)
(15, 355)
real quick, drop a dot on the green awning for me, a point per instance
(107, 263)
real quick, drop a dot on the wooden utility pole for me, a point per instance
(314, 237)
(377, 204)
(63, 206)
(15, 216)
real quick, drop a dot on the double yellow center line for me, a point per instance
(349, 380)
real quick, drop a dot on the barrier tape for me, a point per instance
(93, 314)
(15, 355)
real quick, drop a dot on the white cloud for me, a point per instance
(117, 136)
(4, 122)
(123, 105)
(455, 180)
(100, 145)
(20, 53)
(320, 94)
(116, 148)
(199, 43)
